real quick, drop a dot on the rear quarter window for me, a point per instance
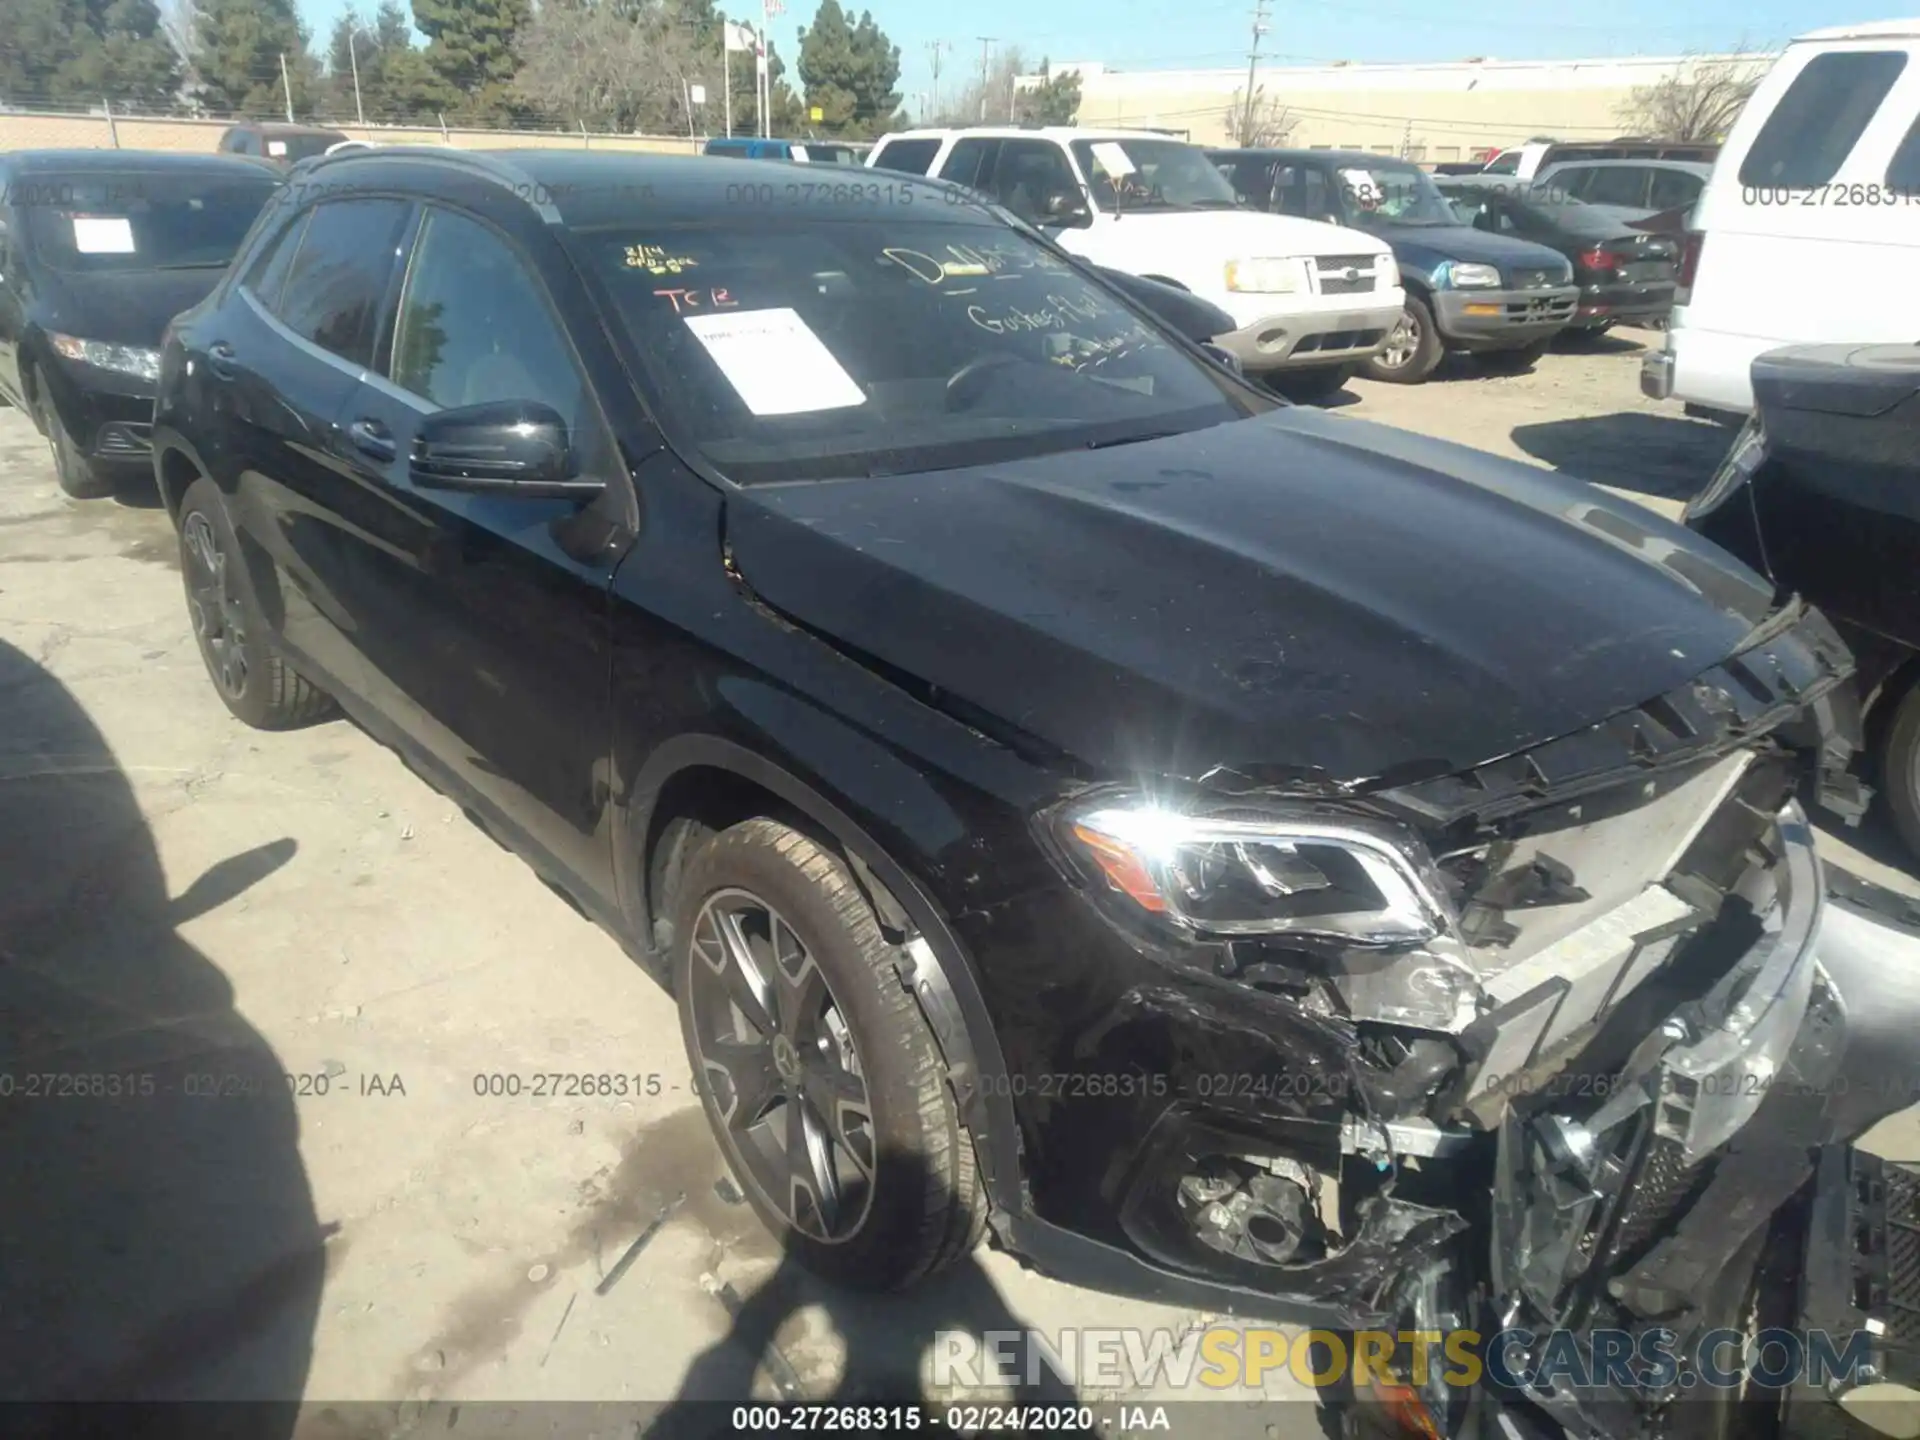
(907, 157)
(1903, 171)
(1820, 118)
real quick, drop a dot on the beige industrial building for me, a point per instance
(1457, 110)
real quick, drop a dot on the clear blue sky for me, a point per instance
(1179, 34)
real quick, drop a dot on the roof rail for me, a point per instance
(478, 162)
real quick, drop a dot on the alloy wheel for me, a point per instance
(1403, 343)
(779, 1060)
(218, 621)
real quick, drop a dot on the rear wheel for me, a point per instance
(1412, 351)
(818, 1073)
(253, 681)
(77, 476)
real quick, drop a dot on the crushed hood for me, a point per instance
(1293, 596)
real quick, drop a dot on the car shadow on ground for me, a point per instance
(1575, 342)
(933, 1343)
(1659, 455)
(158, 1240)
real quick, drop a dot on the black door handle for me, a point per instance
(220, 358)
(370, 437)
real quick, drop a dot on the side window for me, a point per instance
(339, 275)
(1673, 189)
(1815, 125)
(1903, 171)
(1507, 164)
(907, 157)
(970, 160)
(1030, 176)
(268, 272)
(474, 326)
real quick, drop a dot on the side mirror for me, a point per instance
(1069, 210)
(504, 447)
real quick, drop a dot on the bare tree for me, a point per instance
(607, 65)
(966, 108)
(1266, 124)
(1699, 101)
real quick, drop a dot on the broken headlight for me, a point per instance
(1360, 893)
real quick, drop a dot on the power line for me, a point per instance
(1253, 58)
(934, 49)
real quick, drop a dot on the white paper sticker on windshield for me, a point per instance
(1113, 158)
(276, 148)
(103, 234)
(777, 364)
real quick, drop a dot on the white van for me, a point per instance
(1809, 229)
(1311, 300)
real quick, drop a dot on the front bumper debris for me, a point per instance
(1297, 341)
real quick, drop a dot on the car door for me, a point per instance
(13, 307)
(484, 616)
(284, 352)
(1030, 177)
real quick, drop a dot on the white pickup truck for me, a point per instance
(1311, 300)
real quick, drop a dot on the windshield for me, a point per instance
(1377, 195)
(1147, 174)
(118, 223)
(838, 348)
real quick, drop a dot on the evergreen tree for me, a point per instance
(849, 72)
(238, 55)
(470, 49)
(77, 52)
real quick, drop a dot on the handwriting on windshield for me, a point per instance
(655, 260)
(971, 262)
(1058, 313)
(717, 298)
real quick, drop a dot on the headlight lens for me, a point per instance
(1460, 275)
(1264, 276)
(134, 360)
(1347, 879)
(1746, 455)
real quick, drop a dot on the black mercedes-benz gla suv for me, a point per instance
(1240, 854)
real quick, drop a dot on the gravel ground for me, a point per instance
(214, 906)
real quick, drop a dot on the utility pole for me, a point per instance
(934, 50)
(286, 86)
(1260, 28)
(985, 42)
(353, 54)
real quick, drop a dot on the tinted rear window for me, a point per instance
(1903, 173)
(1818, 121)
(907, 157)
(98, 223)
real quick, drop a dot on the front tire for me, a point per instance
(818, 1073)
(1412, 351)
(254, 683)
(78, 478)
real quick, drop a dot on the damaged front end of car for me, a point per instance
(1488, 1049)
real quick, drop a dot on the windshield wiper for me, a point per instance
(1131, 439)
(193, 265)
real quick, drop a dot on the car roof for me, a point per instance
(121, 162)
(1865, 30)
(1342, 157)
(1027, 132)
(582, 189)
(1692, 167)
